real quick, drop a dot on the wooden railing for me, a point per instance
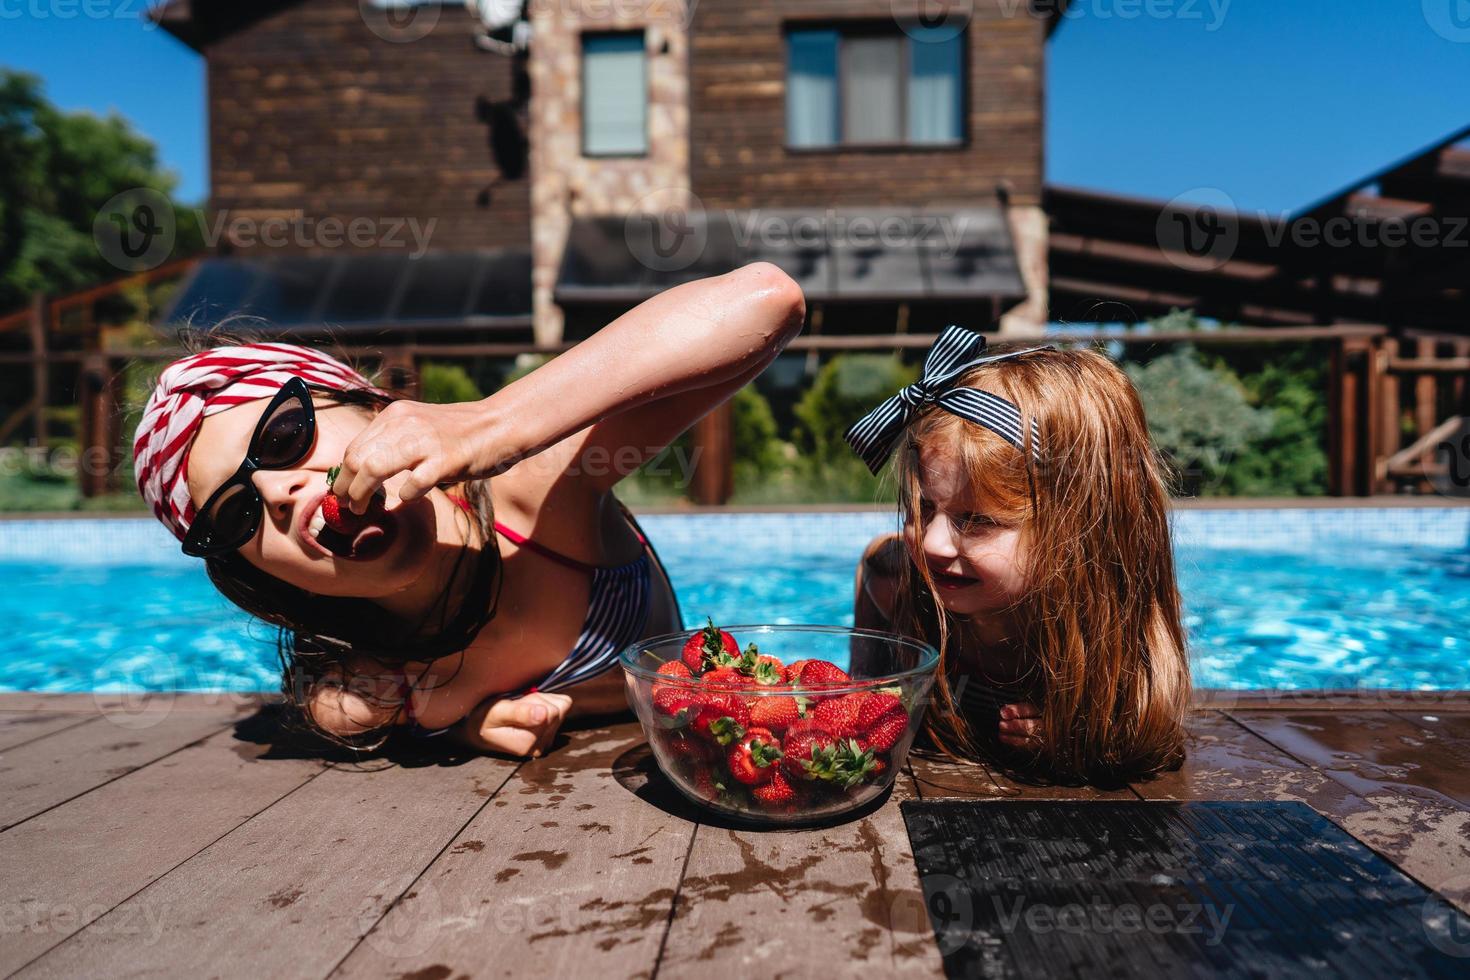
(1422, 405)
(1369, 374)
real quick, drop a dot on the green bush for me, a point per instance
(846, 388)
(1200, 417)
(446, 383)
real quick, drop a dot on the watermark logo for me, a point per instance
(1199, 229)
(400, 21)
(667, 230)
(1450, 19)
(135, 230)
(410, 926)
(1210, 13)
(933, 21)
(951, 906)
(136, 689)
(1447, 928)
(1448, 468)
(307, 232)
(134, 10)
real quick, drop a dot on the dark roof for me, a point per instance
(200, 22)
(861, 254)
(362, 293)
(1393, 249)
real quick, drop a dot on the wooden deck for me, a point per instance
(172, 837)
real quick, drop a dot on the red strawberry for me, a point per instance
(689, 754)
(673, 699)
(839, 716)
(710, 647)
(822, 673)
(793, 670)
(340, 518)
(776, 794)
(721, 717)
(802, 740)
(725, 678)
(753, 758)
(875, 706)
(775, 713)
(883, 733)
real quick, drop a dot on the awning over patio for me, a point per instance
(870, 254)
(363, 293)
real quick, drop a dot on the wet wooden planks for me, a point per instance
(105, 742)
(570, 870)
(203, 854)
(72, 864)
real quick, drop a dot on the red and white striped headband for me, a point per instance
(206, 383)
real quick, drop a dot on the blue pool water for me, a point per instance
(1316, 598)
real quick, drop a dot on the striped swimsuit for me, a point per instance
(617, 611)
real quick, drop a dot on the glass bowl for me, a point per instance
(780, 741)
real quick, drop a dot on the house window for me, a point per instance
(614, 95)
(874, 86)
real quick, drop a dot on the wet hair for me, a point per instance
(319, 638)
(1100, 623)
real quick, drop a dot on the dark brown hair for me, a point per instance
(319, 636)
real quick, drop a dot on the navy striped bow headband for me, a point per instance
(956, 351)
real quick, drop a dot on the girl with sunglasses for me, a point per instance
(469, 572)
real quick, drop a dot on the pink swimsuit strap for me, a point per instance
(520, 540)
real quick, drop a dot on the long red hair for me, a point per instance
(1100, 621)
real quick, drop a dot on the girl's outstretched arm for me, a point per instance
(703, 339)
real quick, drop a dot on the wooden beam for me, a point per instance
(39, 366)
(714, 468)
(1386, 418)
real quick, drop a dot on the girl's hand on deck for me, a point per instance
(523, 726)
(433, 444)
(1020, 725)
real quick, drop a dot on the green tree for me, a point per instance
(57, 170)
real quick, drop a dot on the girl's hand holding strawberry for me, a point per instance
(434, 444)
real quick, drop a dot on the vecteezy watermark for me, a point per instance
(1210, 13)
(135, 230)
(139, 919)
(1199, 229)
(667, 230)
(936, 20)
(400, 21)
(1446, 927)
(306, 232)
(1101, 917)
(1450, 19)
(1448, 469)
(134, 10)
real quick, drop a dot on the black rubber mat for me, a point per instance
(1130, 889)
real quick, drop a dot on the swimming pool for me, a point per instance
(1289, 598)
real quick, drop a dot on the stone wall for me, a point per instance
(564, 183)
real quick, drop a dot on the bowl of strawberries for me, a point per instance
(780, 724)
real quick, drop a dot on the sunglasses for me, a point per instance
(282, 438)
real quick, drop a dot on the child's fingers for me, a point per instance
(1021, 709)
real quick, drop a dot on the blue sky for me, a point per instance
(1275, 103)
